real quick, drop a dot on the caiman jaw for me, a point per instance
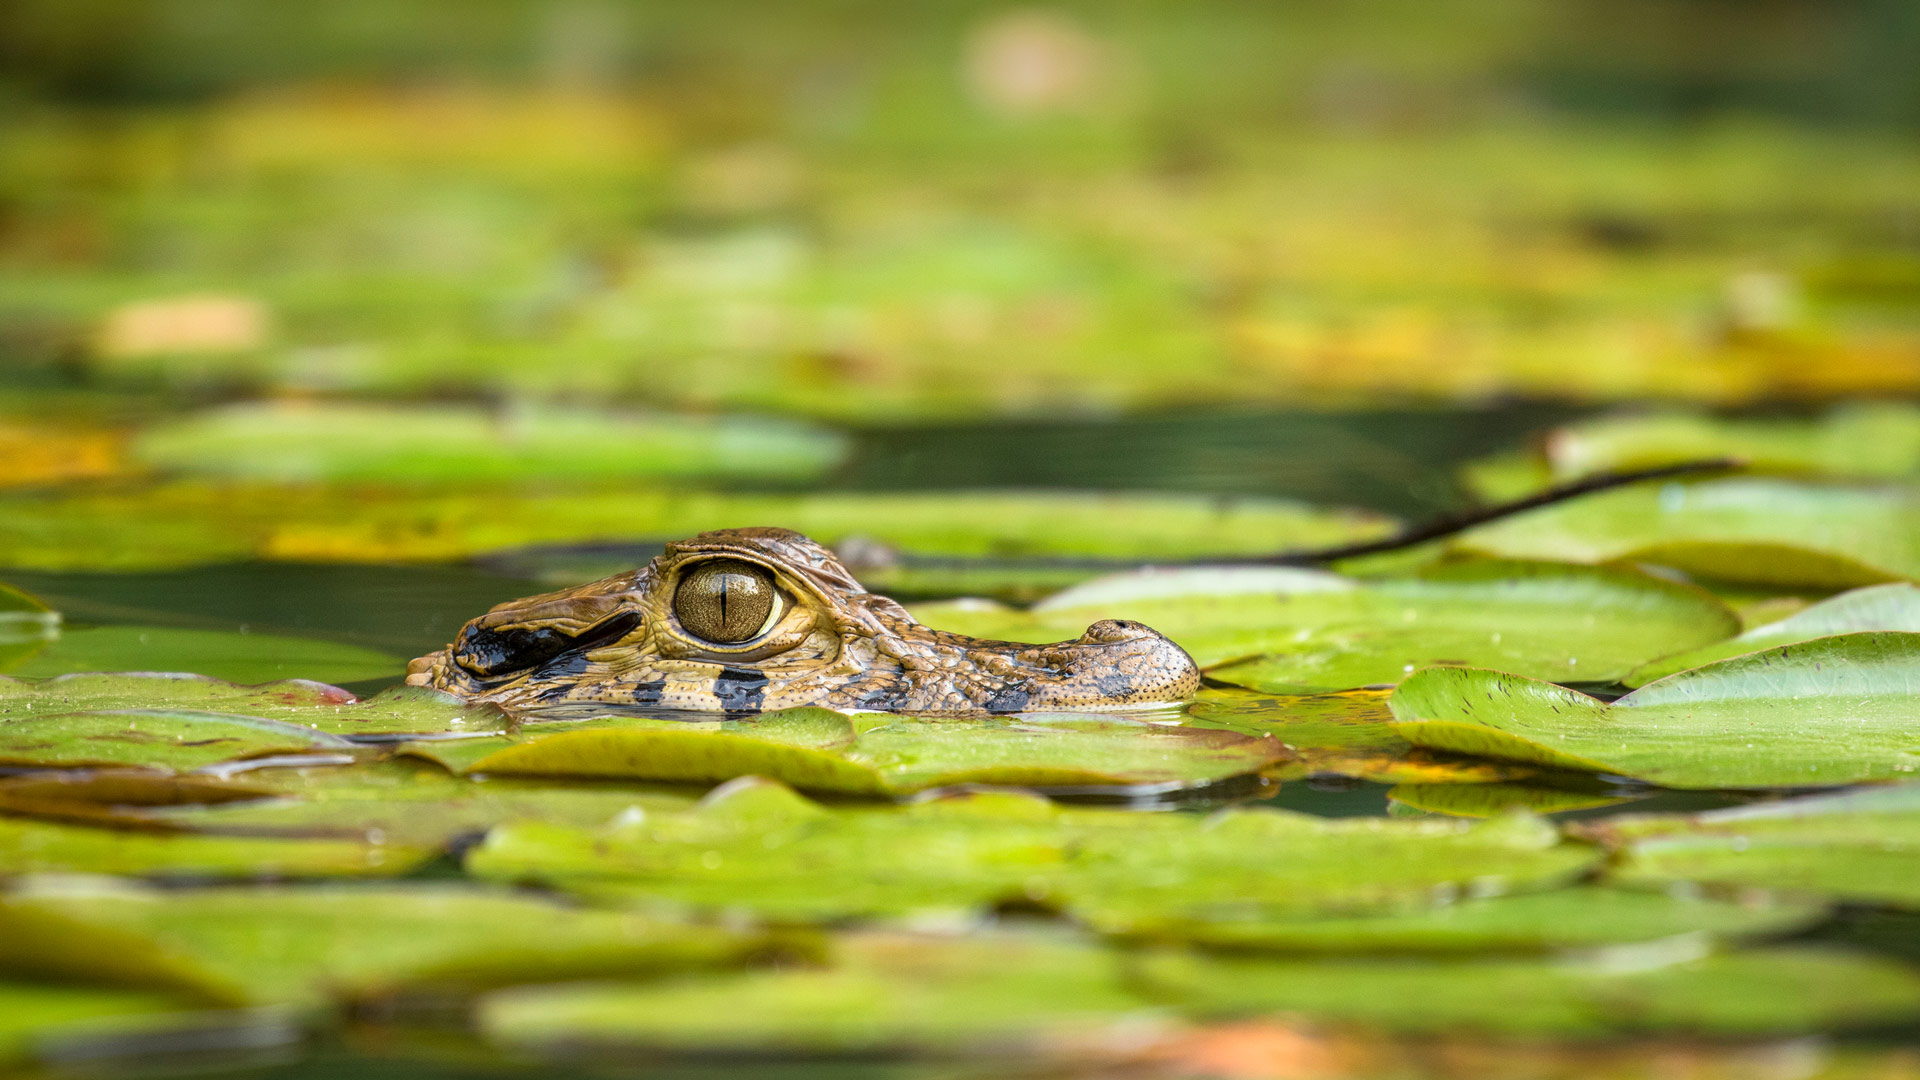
(747, 620)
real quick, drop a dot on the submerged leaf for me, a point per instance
(1875, 607)
(26, 626)
(870, 754)
(757, 847)
(1833, 710)
(1293, 631)
(1862, 846)
(1670, 988)
(307, 945)
(1754, 530)
(242, 658)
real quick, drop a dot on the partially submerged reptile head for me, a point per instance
(756, 619)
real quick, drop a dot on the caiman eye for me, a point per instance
(727, 601)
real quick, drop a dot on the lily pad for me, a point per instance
(1862, 846)
(122, 797)
(881, 993)
(38, 847)
(242, 658)
(1561, 919)
(1459, 799)
(870, 754)
(1875, 607)
(37, 1017)
(310, 945)
(1832, 710)
(1290, 631)
(306, 442)
(389, 716)
(755, 846)
(1750, 529)
(26, 626)
(176, 739)
(1880, 440)
(194, 523)
(1665, 987)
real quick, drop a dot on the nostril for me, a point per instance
(1112, 630)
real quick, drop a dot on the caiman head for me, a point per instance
(746, 620)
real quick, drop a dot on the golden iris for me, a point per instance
(726, 601)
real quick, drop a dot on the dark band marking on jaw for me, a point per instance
(740, 689)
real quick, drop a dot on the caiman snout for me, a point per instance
(1115, 663)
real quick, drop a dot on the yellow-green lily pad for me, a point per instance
(235, 657)
(313, 944)
(1292, 631)
(757, 847)
(391, 715)
(1763, 531)
(1665, 987)
(175, 739)
(1349, 733)
(40, 1019)
(1862, 846)
(40, 847)
(1894, 606)
(26, 626)
(1833, 710)
(870, 754)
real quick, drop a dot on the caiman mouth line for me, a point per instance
(748, 620)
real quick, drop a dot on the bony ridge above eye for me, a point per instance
(727, 601)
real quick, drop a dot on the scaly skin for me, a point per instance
(617, 641)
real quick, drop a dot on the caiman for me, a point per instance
(747, 620)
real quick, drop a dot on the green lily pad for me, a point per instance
(1292, 631)
(194, 523)
(1875, 607)
(1833, 710)
(36, 1017)
(123, 797)
(26, 626)
(38, 847)
(870, 754)
(175, 739)
(242, 658)
(1560, 919)
(386, 717)
(755, 846)
(1343, 734)
(309, 945)
(1880, 440)
(1668, 987)
(882, 993)
(1862, 846)
(305, 442)
(406, 802)
(1753, 530)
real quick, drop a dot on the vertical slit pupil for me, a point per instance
(724, 600)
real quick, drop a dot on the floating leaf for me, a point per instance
(870, 754)
(187, 524)
(125, 797)
(1560, 919)
(1291, 631)
(1830, 711)
(274, 945)
(1877, 440)
(36, 847)
(37, 454)
(1760, 531)
(411, 803)
(242, 658)
(1669, 989)
(26, 626)
(1485, 800)
(305, 442)
(1875, 607)
(389, 716)
(37, 1016)
(882, 993)
(176, 739)
(1862, 846)
(756, 846)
